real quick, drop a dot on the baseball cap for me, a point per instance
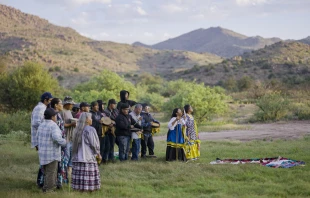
(112, 101)
(84, 104)
(49, 113)
(46, 95)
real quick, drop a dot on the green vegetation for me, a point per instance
(21, 89)
(157, 178)
(272, 106)
(17, 121)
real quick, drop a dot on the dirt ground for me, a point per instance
(279, 130)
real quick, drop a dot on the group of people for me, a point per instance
(73, 139)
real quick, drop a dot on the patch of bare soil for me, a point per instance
(278, 130)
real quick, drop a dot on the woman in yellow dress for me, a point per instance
(192, 145)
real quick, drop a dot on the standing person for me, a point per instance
(49, 143)
(75, 109)
(147, 137)
(112, 113)
(97, 124)
(124, 96)
(136, 135)
(84, 107)
(62, 175)
(175, 137)
(69, 127)
(37, 117)
(124, 123)
(101, 105)
(85, 151)
(193, 145)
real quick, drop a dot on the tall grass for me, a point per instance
(157, 178)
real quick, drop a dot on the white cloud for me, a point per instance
(137, 2)
(250, 2)
(198, 16)
(79, 21)
(80, 2)
(172, 8)
(141, 11)
(104, 34)
(148, 34)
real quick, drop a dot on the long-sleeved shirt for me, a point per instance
(49, 142)
(89, 147)
(136, 117)
(146, 122)
(96, 117)
(172, 126)
(37, 117)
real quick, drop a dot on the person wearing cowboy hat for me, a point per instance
(69, 127)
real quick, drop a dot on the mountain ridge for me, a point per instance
(73, 58)
(216, 40)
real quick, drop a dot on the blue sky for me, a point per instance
(152, 21)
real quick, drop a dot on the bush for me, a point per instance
(154, 99)
(231, 84)
(60, 78)
(301, 110)
(76, 69)
(245, 83)
(272, 106)
(21, 89)
(205, 100)
(57, 68)
(106, 84)
(18, 121)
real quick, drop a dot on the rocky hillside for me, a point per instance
(215, 40)
(305, 40)
(73, 58)
(286, 61)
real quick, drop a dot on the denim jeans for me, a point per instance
(135, 149)
(69, 153)
(123, 147)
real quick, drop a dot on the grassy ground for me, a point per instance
(157, 178)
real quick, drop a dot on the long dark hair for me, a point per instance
(54, 102)
(174, 112)
(186, 108)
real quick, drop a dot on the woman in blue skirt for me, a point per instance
(175, 137)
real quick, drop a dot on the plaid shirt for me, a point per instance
(49, 142)
(37, 117)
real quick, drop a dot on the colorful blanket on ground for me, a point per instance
(274, 162)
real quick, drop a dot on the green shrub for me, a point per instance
(57, 68)
(154, 99)
(272, 106)
(22, 88)
(301, 110)
(60, 78)
(206, 101)
(76, 69)
(18, 121)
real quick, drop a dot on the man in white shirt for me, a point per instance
(136, 135)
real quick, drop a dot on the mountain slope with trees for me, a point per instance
(73, 58)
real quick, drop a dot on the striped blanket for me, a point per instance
(274, 162)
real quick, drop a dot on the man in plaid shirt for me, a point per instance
(37, 117)
(49, 144)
